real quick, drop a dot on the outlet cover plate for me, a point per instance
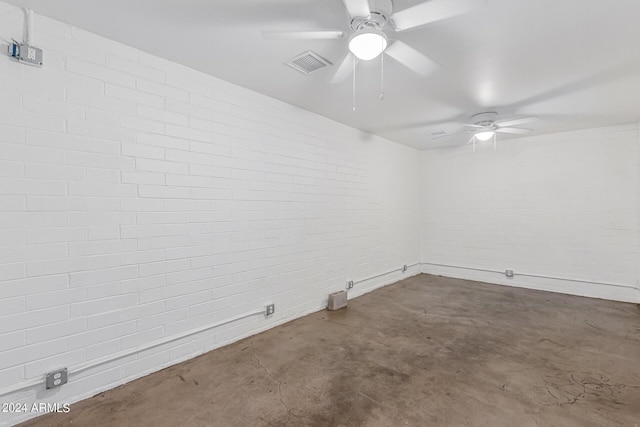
(508, 273)
(350, 284)
(271, 308)
(56, 378)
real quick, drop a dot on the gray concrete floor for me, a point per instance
(426, 351)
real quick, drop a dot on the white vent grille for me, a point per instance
(308, 62)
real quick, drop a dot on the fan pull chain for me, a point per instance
(354, 83)
(382, 73)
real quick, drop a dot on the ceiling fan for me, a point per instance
(371, 21)
(485, 126)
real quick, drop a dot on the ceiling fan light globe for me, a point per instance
(484, 135)
(368, 44)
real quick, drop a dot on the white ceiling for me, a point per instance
(573, 63)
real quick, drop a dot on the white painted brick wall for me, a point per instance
(564, 205)
(140, 199)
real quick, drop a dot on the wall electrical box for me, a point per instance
(271, 308)
(26, 53)
(57, 378)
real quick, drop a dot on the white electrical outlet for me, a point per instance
(56, 378)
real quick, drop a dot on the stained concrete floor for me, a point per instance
(426, 351)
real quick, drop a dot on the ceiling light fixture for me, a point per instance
(368, 43)
(484, 135)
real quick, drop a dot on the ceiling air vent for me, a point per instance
(439, 134)
(308, 62)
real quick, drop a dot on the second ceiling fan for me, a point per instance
(372, 20)
(486, 126)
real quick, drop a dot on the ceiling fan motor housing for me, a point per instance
(484, 119)
(380, 13)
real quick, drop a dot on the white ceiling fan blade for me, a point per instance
(357, 8)
(472, 126)
(345, 69)
(302, 35)
(517, 131)
(515, 122)
(432, 11)
(411, 58)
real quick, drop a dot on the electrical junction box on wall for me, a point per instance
(26, 53)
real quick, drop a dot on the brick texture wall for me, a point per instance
(141, 199)
(565, 205)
